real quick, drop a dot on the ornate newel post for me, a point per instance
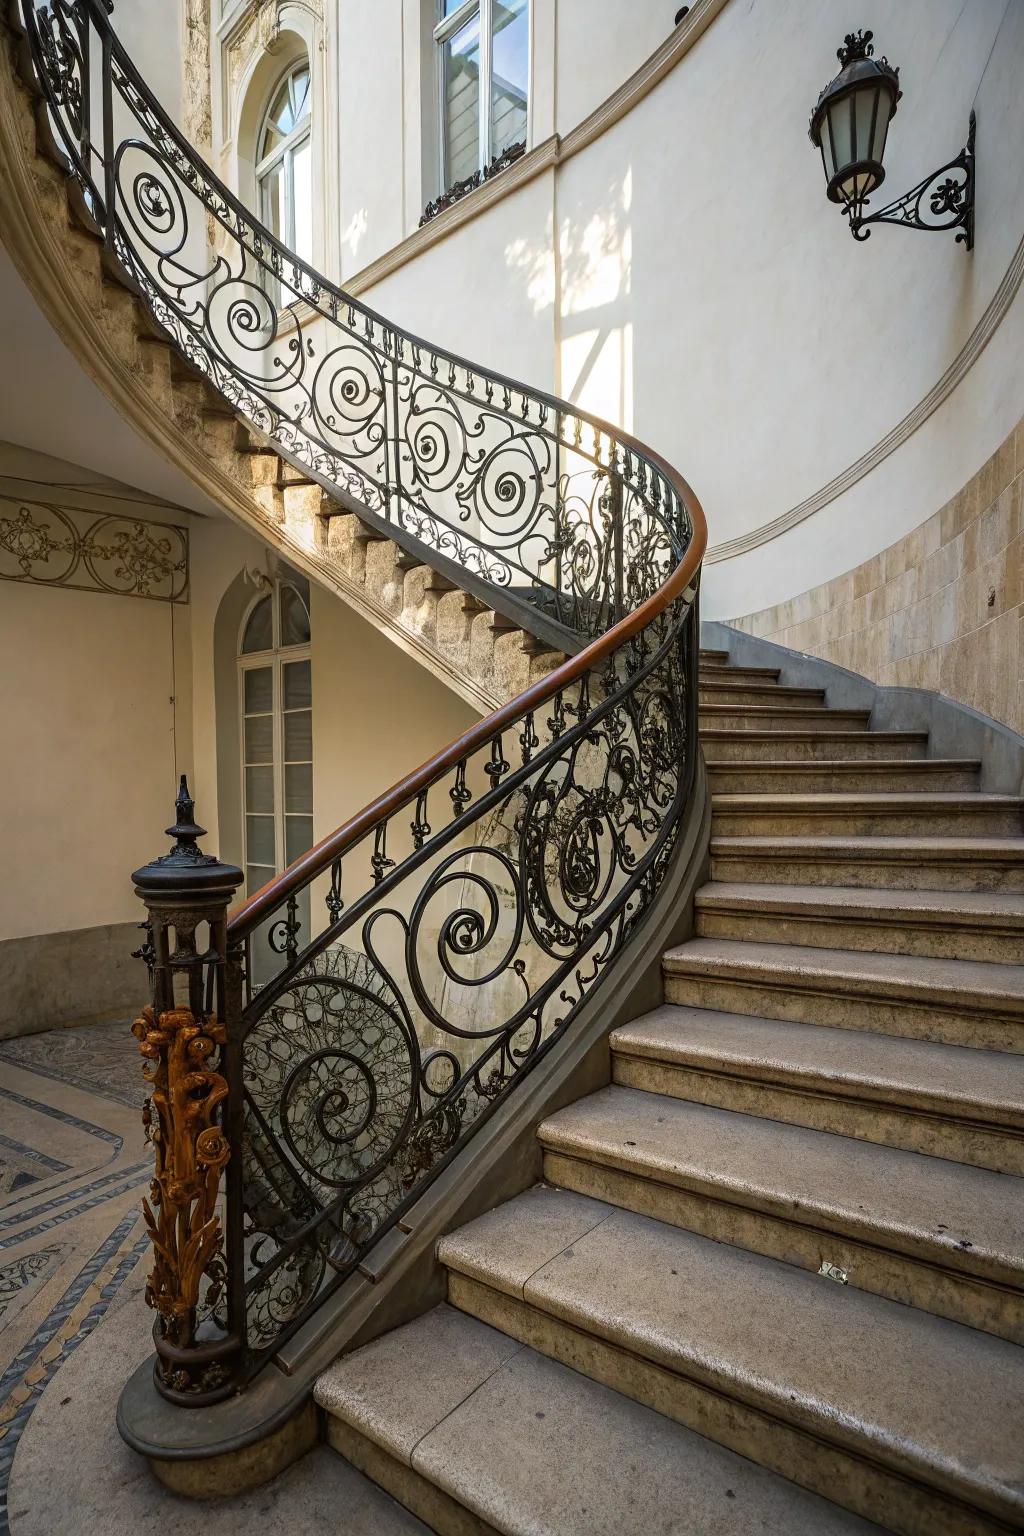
(188, 1035)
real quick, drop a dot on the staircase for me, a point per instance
(773, 1280)
(99, 311)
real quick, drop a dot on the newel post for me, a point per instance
(188, 1035)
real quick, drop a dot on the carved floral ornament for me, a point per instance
(182, 1121)
(62, 547)
(257, 28)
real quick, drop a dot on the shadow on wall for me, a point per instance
(589, 289)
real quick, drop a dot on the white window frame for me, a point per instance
(276, 658)
(285, 152)
(445, 29)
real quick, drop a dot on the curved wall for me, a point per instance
(702, 291)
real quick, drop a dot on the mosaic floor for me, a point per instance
(73, 1168)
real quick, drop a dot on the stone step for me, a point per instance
(973, 925)
(903, 1417)
(463, 1422)
(713, 670)
(935, 1234)
(864, 814)
(960, 1002)
(761, 717)
(713, 657)
(942, 1100)
(731, 692)
(844, 776)
(893, 863)
(725, 744)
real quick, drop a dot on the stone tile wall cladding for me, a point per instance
(943, 608)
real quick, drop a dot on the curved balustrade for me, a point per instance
(389, 991)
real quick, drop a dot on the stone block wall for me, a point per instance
(943, 608)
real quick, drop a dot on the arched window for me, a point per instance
(276, 730)
(284, 163)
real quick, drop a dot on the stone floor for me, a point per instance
(73, 1168)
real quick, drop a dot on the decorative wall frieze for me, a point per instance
(52, 546)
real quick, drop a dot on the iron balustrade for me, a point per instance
(368, 1009)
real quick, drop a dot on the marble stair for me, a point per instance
(787, 1240)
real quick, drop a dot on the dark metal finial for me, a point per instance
(856, 45)
(186, 830)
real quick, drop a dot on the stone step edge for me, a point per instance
(846, 979)
(733, 1420)
(879, 908)
(807, 1079)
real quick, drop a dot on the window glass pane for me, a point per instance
(302, 195)
(298, 836)
(259, 840)
(298, 737)
(259, 739)
(298, 788)
(255, 876)
(462, 102)
(300, 94)
(294, 616)
(298, 690)
(259, 790)
(259, 690)
(509, 78)
(259, 634)
(449, 7)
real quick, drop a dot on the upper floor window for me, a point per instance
(483, 60)
(284, 164)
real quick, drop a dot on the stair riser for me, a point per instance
(765, 997)
(712, 1406)
(749, 779)
(902, 875)
(787, 1235)
(808, 747)
(822, 1107)
(727, 718)
(771, 693)
(947, 821)
(718, 674)
(931, 940)
(431, 1504)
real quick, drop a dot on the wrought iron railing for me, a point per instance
(360, 1017)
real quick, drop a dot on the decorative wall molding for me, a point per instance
(957, 370)
(51, 546)
(550, 152)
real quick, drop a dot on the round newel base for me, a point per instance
(222, 1450)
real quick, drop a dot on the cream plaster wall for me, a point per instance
(95, 726)
(705, 294)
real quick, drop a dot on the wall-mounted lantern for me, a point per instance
(849, 126)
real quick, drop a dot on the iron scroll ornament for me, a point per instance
(392, 989)
(942, 201)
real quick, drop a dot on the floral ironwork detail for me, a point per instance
(106, 552)
(460, 189)
(182, 1121)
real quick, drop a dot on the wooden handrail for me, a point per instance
(319, 858)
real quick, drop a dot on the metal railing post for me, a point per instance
(188, 1035)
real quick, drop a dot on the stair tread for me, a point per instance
(967, 1219)
(843, 799)
(496, 1425)
(984, 908)
(837, 764)
(951, 981)
(931, 1399)
(984, 1085)
(725, 734)
(864, 846)
(796, 711)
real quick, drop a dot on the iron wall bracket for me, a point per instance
(944, 200)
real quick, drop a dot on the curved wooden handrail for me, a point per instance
(243, 918)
